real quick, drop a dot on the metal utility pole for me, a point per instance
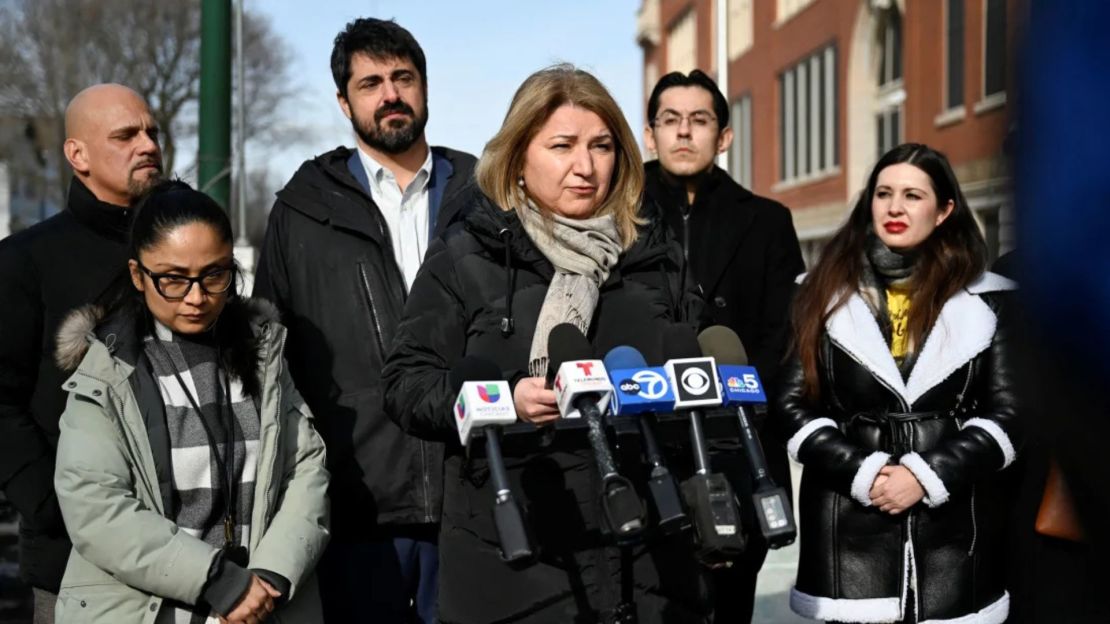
(213, 159)
(241, 135)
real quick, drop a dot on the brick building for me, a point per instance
(820, 88)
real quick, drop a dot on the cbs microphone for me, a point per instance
(486, 403)
(582, 390)
(640, 389)
(710, 498)
(743, 388)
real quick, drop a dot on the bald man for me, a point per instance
(68, 260)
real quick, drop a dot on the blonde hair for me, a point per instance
(537, 98)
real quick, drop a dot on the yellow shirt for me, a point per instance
(898, 307)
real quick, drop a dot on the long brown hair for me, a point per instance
(537, 98)
(953, 255)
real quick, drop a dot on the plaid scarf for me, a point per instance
(199, 493)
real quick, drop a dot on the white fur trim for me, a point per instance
(995, 430)
(845, 609)
(801, 278)
(964, 329)
(865, 476)
(796, 440)
(991, 282)
(994, 613)
(854, 329)
(935, 492)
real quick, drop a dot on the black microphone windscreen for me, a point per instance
(722, 344)
(680, 341)
(473, 368)
(566, 343)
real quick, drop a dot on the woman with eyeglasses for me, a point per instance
(189, 474)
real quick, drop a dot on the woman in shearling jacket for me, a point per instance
(899, 402)
(189, 474)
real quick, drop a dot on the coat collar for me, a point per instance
(964, 328)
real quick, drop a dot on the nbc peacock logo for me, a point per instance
(489, 393)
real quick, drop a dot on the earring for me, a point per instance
(520, 181)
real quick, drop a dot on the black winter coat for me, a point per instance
(456, 308)
(953, 423)
(328, 265)
(68, 260)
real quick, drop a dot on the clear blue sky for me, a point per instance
(478, 54)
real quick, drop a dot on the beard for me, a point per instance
(395, 136)
(138, 186)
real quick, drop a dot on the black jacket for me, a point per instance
(68, 260)
(742, 252)
(953, 422)
(456, 309)
(328, 265)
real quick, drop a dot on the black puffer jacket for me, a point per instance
(328, 265)
(456, 308)
(953, 423)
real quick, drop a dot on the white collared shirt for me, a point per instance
(405, 212)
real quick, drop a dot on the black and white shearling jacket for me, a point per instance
(953, 423)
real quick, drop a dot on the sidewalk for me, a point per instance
(772, 592)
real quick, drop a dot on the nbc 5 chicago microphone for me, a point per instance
(640, 389)
(582, 390)
(742, 388)
(484, 402)
(709, 496)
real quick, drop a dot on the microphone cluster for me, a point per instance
(703, 372)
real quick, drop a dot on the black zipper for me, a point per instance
(369, 292)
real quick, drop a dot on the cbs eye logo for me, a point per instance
(695, 381)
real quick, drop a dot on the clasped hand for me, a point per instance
(255, 605)
(895, 490)
(535, 403)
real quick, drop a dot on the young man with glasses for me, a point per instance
(66, 261)
(743, 253)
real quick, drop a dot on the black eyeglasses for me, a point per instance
(174, 287)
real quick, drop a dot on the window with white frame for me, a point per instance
(891, 94)
(808, 117)
(739, 27)
(954, 54)
(994, 48)
(682, 44)
(740, 152)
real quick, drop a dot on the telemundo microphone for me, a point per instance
(582, 390)
(483, 402)
(709, 496)
(640, 389)
(742, 388)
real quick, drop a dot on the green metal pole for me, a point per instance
(214, 155)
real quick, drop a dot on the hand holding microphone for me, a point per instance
(535, 403)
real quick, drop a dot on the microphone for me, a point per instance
(742, 388)
(716, 514)
(489, 405)
(582, 390)
(644, 390)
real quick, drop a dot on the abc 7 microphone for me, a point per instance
(713, 505)
(582, 390)
(484, 402)
(742, 388)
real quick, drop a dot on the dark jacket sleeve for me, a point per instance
(430, 337)
(271, 280)
(26, 457)
(784, 265)
(990, 439)
(817, 442)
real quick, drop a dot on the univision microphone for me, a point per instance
(640, 389)
(742, 388)
(483, 403)
(582, 390)
(716, 513)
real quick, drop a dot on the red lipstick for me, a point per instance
(895, 227)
